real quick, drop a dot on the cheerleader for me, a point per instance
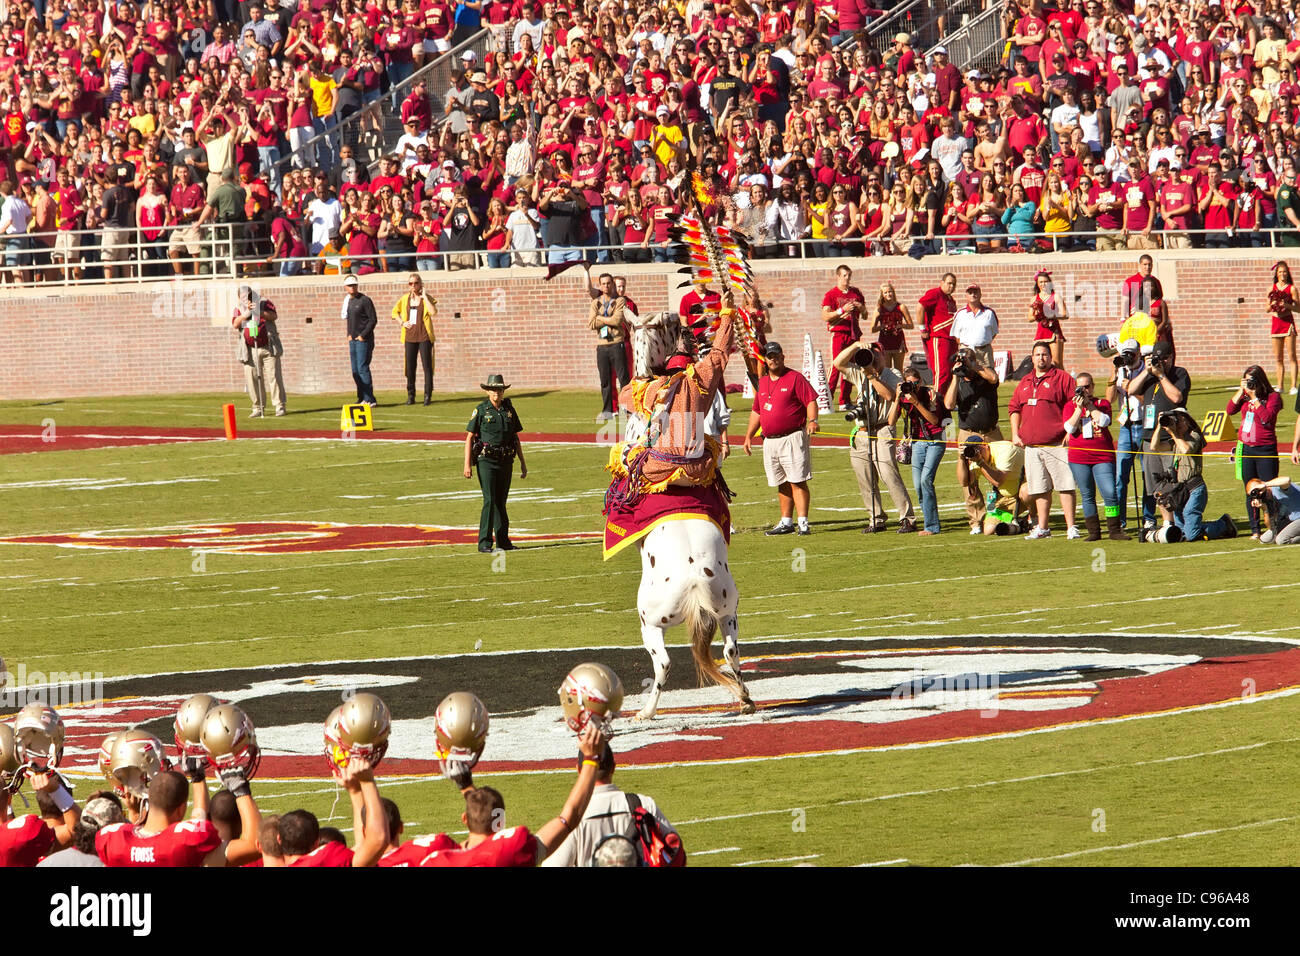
(1282, 303)
(1046, 311)
(891, 319)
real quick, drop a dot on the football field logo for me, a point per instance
(279, 537)
(814, 697)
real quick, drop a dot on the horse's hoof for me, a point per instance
(643, 715)
(747, 706)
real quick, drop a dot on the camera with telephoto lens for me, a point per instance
(859, 411)
(970, 452)
(1125, 359)
(1258, 496)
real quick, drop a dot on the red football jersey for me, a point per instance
(181, 844)
(24, 840)
(513, 847)
(327, 854)
(412, 852)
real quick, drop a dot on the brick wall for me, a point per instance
(166, 337)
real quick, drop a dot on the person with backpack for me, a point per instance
(611, 811)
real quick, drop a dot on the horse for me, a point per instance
(685, 574)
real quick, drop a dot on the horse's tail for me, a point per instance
(702, 623)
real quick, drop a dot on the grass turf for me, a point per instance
(986, 802)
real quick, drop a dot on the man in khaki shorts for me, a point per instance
(1037, 411)
(785, 406)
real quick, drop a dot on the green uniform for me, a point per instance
(1288, 197)
(498, 430)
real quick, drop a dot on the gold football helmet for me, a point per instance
(188, 726)
(106, 757)
(138, 757)
(460, 728)
(359, 727)
(38, 734)
(590, 692)
(11, 766)
(229, 740)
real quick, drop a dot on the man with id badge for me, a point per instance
(415, 312)
(1163, 387)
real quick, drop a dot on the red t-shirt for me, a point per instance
(1089, 445)
(24, 840)
(782, 403)
(1137, 197)
(512, 847)
(1040, 402)
(1218, 216)
(412, 852)
(327, 854)
(833, 300)
(181, 844)
(1175, 195)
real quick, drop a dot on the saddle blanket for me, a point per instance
(625, 525)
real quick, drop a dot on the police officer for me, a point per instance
(492, 441)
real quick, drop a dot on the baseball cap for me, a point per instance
(478, 77)
(469, 55)
(940, 49)
(102, 812)
(773, 348)
(972, 288)
(662, 111)
(1129, 345)
(351, 280)
(902, 38)
(974, 440)
(1162, 350)
(973, 75)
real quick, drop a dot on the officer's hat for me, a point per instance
(494, 382)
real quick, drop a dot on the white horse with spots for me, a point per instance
(685, 574)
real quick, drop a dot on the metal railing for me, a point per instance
(373, 129)
(920, 19)
(82, 251)
(977, 43)
(221, 257)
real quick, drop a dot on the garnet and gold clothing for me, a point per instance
(24, 840)
(512, 847)
(412, 852)
(181, 844)
(327, 854)
(675, 407)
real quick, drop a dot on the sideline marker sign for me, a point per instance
(356, 418)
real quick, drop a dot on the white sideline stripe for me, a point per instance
(985, 783)
(901, 859)
(725, 849)
(779, 859)
(1154, 840)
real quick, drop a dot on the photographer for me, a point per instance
(1128, 363)
(1092, 457)
(1260, 405)
(924, 429)
(1281, 500)
(565, 209)
(872, 445)
(1003, 464)
(1180, 489)
(1163, 387)
(972, 393)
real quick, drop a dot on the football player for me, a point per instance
(411, 852)
(165, 838)
(26, 839)
(491, 844)
(301, 836)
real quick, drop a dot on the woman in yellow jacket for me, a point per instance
(415, 312)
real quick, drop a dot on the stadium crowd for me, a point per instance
(159, 810)
(1104, 125)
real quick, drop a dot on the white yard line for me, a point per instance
(1152, 842)
(779, 859)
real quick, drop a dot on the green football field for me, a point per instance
(1182, 784)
